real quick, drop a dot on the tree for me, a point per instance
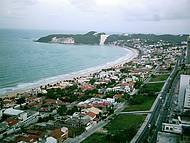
(20, 100)
(110, 110)
(92, 81)
(100, 115)
(62, 110)
(73, 110)
(138, 83)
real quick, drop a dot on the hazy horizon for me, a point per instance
(110, 16)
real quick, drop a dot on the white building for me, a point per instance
(164, 137)
(172, 128)
(15, 112)
(187, 99)
(51, 140)
(184, 84)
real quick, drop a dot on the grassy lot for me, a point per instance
(121, 129)
(125, 121)
(146, 105)
(159, 77)
(151, 87)
(146, 98)
(97, 138)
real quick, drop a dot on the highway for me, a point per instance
(163, 101)
(165, 110)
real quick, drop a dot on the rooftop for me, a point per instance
(13, 112)
(164, 137)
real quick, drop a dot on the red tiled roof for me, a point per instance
(11, 122)
(91, 114)
(125, 84)
(117, 96)
(87, 87)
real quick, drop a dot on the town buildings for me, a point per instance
(188, 50)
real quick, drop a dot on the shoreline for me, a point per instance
(134, 53)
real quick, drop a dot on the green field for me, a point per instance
(97, 138)
(159, 77)
(125, 121)
(145, 105)
(151, 88)
(146, 97)
(120, 129)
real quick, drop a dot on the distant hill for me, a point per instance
(93, 38)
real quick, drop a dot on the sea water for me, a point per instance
(24, 62)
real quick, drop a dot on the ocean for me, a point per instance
(24, 63)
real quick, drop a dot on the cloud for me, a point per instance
(96, 14)
(151, 10)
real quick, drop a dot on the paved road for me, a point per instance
(157, 81)
(165, 111)
(151, 119)
(136, 112)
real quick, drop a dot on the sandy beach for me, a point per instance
(131, 54)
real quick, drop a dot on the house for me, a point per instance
(51, 140)
(11, 121)
(87, 87)
(96, 102)
(94, 110)
(172, 128)
(91, 115)
(60, 134)
(78, 119)
(15, 112)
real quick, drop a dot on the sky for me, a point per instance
(122, 16)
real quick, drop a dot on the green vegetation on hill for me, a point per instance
(148, 38)
(91, 38)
